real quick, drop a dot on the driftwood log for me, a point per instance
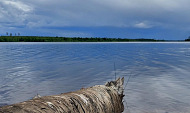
(97, 99)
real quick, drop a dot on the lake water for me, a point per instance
(160, 72)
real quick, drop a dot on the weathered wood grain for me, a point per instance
(97, 99)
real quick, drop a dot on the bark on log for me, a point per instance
(97, 99)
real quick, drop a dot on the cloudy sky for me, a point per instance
(158, 19)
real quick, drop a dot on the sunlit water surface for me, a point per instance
(160, 72)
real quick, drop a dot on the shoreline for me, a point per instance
(75, 39)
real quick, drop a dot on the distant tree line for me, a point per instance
(68, 39)
(188, 39)
(11, 34)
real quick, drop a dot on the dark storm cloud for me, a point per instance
(140, 14)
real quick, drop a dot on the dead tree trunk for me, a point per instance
(97, 99)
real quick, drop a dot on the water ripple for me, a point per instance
(159, 82)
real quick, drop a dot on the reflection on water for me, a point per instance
(160, 81)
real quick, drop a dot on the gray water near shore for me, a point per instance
(160, 74)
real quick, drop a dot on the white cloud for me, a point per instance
(142, 25)
(19, 5)
(14, 13)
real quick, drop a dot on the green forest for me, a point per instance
(69, 39)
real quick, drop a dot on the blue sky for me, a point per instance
(158, 19)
